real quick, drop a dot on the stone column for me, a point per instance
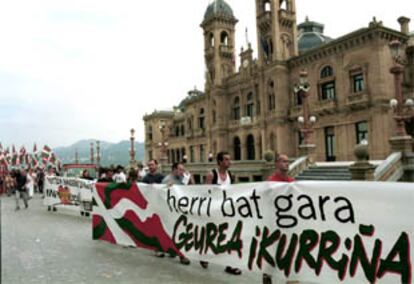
(362, 169)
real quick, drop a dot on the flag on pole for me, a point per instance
(22, 154)
(14, 156)
(46, 151)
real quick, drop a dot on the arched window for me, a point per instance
(211, 40)
(250, 105)
(236, 108)
(327, 84)
(326, 71)
(224, 38)
(250, 147)
(177, 155)
(271, 96)
(201, 119)
(237, 149)
(283, 5)
(266, 6)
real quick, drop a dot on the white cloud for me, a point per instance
(73, 69)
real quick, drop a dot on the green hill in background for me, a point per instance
(111, 153)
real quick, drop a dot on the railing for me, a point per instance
(298, 166)
(390, 169)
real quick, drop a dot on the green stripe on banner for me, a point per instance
(129, 227)
(99, 230)
(111, 187)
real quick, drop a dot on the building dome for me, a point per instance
(218, 8)
(311, 35)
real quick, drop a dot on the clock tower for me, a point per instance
(219, 42)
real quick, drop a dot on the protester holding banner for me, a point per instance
(153, 176)
(281, 169)
(177, 177)
(222, 176)
(281, 174)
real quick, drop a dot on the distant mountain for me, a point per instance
(111, 153)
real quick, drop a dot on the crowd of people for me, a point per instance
(24, 183)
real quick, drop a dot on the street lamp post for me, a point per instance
(76, 156)
(98, 155)
(163, 144)
(132, 160)
(403, 110)
(306, 121)
(92, 154)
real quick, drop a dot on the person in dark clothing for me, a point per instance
(153, 176)
(21, 189)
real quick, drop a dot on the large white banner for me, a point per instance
(68, 192)
(321, 232)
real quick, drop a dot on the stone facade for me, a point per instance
(254, 109)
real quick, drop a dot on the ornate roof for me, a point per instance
(218, 8)
(311, 35)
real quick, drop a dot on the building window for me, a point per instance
(328, 91)
(177, 131)
(224, 38)
(192, 154)
(237, 149)
(330, 146)
(250, 147)
(202, 153)
(326, 72)
(236, 108)
(150, 133)
(271, 100)
(182, 130)
(201, 119)
(250, 105)
(361, 131)
(214, 117)
(301, 138)
(327, 84)
(358, 82)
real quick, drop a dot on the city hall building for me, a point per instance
(254, 109)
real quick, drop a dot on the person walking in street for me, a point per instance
(21, 189)
(222, 176)
(281, 174)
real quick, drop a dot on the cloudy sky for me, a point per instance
(80, 69)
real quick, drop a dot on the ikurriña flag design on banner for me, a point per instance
(146, 233)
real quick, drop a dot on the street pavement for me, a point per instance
(38, 246)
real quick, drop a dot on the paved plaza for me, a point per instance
(38, 246)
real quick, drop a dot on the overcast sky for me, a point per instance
(80, 69)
